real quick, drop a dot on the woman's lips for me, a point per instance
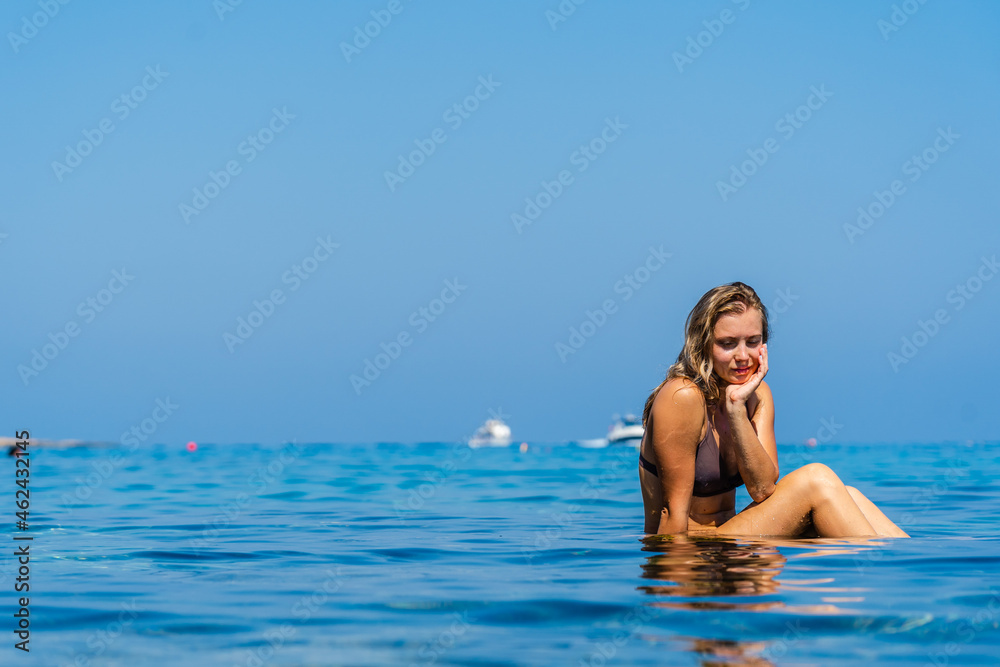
(742, 371)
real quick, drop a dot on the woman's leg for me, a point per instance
(879, 521)
(810, 497)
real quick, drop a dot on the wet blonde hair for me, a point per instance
(695, 360)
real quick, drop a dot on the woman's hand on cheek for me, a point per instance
(738, 394)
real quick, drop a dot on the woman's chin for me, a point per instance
(732, 378)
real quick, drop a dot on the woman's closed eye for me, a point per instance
(728, 344)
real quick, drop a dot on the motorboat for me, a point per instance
(625, 430)
(493, 433)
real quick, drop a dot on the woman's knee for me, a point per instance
(817, 480)
(815, 472)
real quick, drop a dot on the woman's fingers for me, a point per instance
(742, 392)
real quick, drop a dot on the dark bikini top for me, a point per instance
(707, 467)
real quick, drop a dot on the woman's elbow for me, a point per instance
(761, 487)
(761, 492)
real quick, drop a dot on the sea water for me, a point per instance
(437, 554)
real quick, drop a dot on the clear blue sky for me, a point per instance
(673, 129)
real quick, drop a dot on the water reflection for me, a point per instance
(711, 573)
(719, 652)
(712, 567)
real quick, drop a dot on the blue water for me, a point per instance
(438, 554)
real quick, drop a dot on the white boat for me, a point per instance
(626, 430)
(599, 443)
(494, 433)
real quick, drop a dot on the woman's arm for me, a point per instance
(757, 452)
(755, 446)
(678, 415)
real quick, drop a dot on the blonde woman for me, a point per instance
(710, 429)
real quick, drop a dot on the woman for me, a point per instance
(710, 428)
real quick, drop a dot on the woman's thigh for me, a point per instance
(785, 513)
(879, 521)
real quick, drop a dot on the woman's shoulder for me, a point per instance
(679, 395)
(678, 413)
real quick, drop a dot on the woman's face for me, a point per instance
(736, 345)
